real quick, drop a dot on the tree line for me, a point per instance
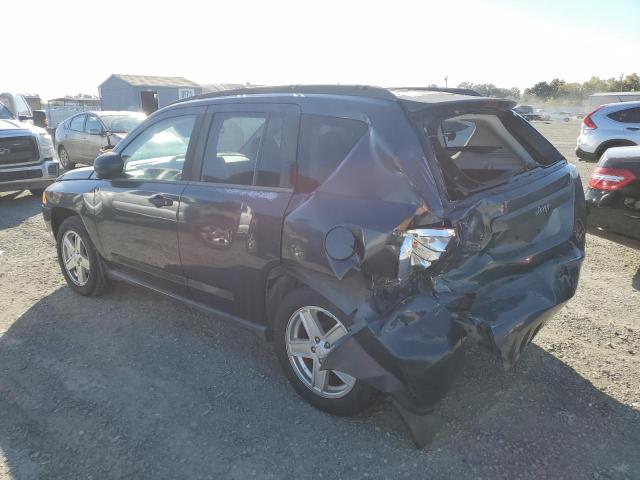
(558, 89)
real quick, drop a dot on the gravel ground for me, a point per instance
(135, 385)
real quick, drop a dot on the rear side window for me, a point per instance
(250, 149)
(233, 147)
(324, 144)
(629, 115)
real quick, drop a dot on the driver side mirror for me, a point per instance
(108, 165)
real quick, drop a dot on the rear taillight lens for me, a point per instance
(421, 247)
(604, 178)
(588, 122)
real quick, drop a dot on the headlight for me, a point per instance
(46, 145)
(421, 247)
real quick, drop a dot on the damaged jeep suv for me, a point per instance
(369, 233)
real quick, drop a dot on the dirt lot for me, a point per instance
(134, 385)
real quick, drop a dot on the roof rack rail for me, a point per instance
(349, 90)
(459, 91)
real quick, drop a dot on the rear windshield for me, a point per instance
(476, 150)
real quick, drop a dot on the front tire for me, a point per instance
(79, 260)
(65, 159)
(306, 327)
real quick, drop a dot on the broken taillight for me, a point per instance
(421, 247)
(604, 178)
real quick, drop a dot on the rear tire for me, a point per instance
(340, 394)
(65, 159)
(79, 260)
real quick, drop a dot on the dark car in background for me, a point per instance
(369, 233)
(613, 194)
(82, 137)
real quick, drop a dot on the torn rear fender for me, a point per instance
(515, 260)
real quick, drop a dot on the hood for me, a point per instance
(14, 126)
(84, 173)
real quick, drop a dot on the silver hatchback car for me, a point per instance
(82, 137)
(611, 125)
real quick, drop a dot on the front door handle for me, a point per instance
(160, 201)
(633, 129)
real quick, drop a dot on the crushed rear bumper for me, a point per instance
(412, 349)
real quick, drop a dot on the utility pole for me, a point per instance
(446, 81)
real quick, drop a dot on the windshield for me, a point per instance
(121, 123)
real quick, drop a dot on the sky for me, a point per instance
(63, 47)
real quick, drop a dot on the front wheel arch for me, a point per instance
(59, 215)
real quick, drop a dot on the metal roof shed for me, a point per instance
(144, 93)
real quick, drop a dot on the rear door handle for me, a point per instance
(160, 201)
(633, 129)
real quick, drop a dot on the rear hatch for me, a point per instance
(519, 213)
(508, 191)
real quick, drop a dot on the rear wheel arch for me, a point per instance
(278, 284)
(613, 143)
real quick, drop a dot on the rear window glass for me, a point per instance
(324, 144)
(479, 150)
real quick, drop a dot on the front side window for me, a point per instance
(324, 144)
(77, 123)
(159, 152)
(6, 111)
(92, 125)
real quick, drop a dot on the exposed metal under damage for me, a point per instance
(514, 261)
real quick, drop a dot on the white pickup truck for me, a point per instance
(27, 156)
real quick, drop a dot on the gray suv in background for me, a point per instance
(612, 125)
(81, 138)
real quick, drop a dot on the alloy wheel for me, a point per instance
(310, 334)
(75, 258)
(64, 158)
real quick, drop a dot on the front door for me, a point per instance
(137, 214)
(230, 219)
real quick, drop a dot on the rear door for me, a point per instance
(231, 216)
(73, 138)
(632, 124)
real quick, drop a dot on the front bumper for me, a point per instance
(411, 350)
(28, 177)
(585, 155)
